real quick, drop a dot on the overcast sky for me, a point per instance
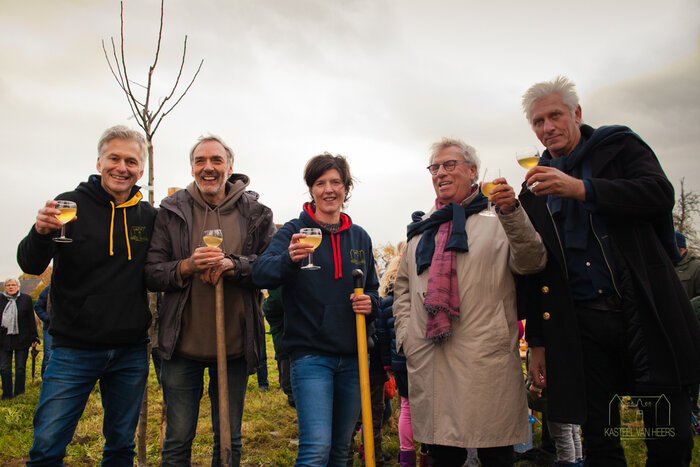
(375, 80)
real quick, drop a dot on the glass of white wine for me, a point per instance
(486, 188)
(213, 237)
(68, 211)
(313, 237)
(528, 157)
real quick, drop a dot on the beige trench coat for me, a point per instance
(469, 391)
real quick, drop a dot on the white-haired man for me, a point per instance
(608, 316)
(182, 266)
(100, 315)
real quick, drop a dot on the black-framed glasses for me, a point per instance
(448, 165)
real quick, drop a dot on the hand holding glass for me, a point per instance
(68, 211)
(313, 237)
(213, 238)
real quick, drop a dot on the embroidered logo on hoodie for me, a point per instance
(357, 257)
(138, 233)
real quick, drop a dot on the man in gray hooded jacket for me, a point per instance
(180, 264)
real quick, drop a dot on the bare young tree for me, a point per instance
(686, 208)
(149, 116)
(148, 119)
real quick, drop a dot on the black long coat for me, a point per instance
(25, 322)
(635, 199)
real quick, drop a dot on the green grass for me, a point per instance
(269, 428)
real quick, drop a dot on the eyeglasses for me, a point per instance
(448, 165)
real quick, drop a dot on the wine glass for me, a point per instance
(486, 187)
(68, 211)
(528, 158)
(314, 237)
(213, 237)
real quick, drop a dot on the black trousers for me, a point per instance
(451, 456)
(608, 376)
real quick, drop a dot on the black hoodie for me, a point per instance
(98, 291)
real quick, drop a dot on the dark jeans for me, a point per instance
(283, 367)
(48, 339)
(607, 368)
(263, 383)
(451, 456)
(69, 379)
(6, 372)
(183, 386)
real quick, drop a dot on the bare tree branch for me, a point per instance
(177, 79)
(181, 96)
(152, 68)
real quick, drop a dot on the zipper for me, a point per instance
(607, 264)
(561, 248)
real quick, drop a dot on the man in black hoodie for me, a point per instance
(100, 315)
(186, 269)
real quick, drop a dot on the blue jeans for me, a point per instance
(183, 386)
(69, 378)
(6, 372)
(47, 349)
(327, 394)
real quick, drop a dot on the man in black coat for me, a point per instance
(608, 316)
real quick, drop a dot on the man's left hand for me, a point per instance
(212, 275)
(551, 181)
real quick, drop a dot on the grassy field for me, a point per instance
(269, 428)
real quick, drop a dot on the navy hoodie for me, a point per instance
(98, 292)
(318, 316)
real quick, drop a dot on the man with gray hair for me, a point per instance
(100, 315)
(608, 316)
(186, 269)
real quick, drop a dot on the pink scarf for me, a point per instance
(442, 297)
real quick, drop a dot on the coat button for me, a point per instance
(545, 315)
(545, 289)
(423, 294)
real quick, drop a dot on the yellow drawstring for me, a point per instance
(126, 235)
(132, 202)
(111, 232)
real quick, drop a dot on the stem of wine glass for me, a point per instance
(63, 231)
(311, 259)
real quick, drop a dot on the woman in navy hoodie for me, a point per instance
(319, 307)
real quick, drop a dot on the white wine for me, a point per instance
(486, 187)
(314, 240)
(67, 214)
(212, 241)
(528, 162)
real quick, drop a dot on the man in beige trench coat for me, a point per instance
(455, 314)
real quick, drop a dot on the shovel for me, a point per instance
(363, 361)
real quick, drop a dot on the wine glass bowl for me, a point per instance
(213, 237)
(313, 237)
(528, 157)
(68, 211)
